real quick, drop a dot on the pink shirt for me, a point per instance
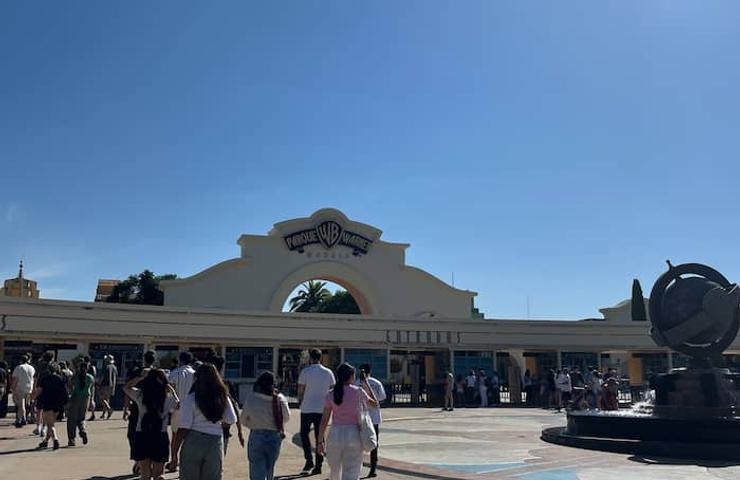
(347, 412)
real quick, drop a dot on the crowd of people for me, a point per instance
(477, 389)
(574, 389)
(180, 420)
(555, 389)
(43, 394)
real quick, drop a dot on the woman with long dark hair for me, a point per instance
(155, 400)
(201, 415)
(79, 401)
(343, 449)
(265, 413)
(51, 397)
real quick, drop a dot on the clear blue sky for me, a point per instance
(546, 150)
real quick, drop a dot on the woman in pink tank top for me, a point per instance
(343, 449)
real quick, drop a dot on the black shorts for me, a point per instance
(50, 405)
(151, 446)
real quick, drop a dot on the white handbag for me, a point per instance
(367, 431)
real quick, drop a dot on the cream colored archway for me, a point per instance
(326, 245)
(350, 279)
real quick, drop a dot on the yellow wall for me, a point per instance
(634, 365)
(430, 370)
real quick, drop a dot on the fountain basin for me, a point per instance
(636, 426)
(643, 434)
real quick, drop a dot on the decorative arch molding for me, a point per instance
(349, 278)
(330, 246)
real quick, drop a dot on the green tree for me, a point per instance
(140, 289)
(310, 297)
(638, 303)
(340, 302)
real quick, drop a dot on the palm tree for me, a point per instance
(310, 297)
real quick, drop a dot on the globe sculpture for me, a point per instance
(694, 310)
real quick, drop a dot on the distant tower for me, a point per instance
(20, 287)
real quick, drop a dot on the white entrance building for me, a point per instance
(412, 328)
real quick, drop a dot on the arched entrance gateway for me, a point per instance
(326, 245)
(329, 246)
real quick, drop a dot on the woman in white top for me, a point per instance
(202, 414)
(155, 400)
(265, 413)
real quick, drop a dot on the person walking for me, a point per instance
(564, 388)
(528, 384)
(218, 362)
(92, 370)
(449, 392)
(107, 390)
(314, 382)
(265, 414)
(4, 388)
(154, 399)
(201, 415)
(136, 371)
(342, 405)
(578, 383)
(80, 391)
(482, 382)
(494, 387)
(45, 367)
(470, 383)
(21, 385)
(378, 390)
(551, 394)
(51, 398)
(181, 379)
(596, 388)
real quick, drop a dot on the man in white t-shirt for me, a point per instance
(470, 382)
(564, 387)
(21, 385)
(181, 380)
(314, 382)
(374, 412)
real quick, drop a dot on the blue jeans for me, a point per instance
(263, 450)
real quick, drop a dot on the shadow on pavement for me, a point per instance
(25, 450)
(682, 461)
(118, 477)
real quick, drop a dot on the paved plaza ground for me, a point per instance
(496, 443)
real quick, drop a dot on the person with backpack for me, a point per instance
(155, 400)
(265, 414)
(80, 390)
(342, 405)
(202, 414)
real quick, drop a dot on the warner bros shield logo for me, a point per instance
(329, 233)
